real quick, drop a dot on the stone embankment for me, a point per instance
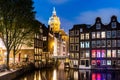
(12, 74)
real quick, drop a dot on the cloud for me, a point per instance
(58, 1)
(90, 16)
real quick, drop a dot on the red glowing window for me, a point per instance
(93, 62)
(93, 53)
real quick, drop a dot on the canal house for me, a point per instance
(95, 46)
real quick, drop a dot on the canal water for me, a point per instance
(70, 74)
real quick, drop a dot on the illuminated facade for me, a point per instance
(96, 46)
(60, 38)
(38, 46)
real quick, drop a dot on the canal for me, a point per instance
(70, 74)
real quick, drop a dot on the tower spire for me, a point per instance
(54, 11)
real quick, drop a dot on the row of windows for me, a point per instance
(105, 53)
(74, 55)
(98, 26)
(107, 34)
(113, 25)
(95, 44)
(74, 40)
(103, 34)
(37, 57)
(104, 43)
(75, 47)
(100, 62)
(84, 54)
(96, 35)
(96, 54)
(104, 62)
(72, 33)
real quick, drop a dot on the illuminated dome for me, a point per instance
(54, 21)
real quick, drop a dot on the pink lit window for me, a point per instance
(113, 53)
(93, 53)
(103, 53)
(98, 53)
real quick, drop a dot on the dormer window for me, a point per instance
(113, 24)
(98, 26)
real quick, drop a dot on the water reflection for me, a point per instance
(70, 74)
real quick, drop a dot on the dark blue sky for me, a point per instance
(73, 12)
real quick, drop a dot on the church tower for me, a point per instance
(54, 22)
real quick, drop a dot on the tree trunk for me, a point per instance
(7, 61)
(14, 54)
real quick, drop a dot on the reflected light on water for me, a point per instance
(35, 76)
(76, 75)
(39, 76)
(55, 75)
(25, 78)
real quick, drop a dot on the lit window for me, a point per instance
(41, 31)
(108, 34)
(71, 40)
(98, 34)
(108, 53)
(87, 44)
(108, 62)
(103, 62)
(98, 62)
(77, 40)
(118, 53)
(93, 53)
(98, 26)
(103, 53)
(82, 36)
(93, 62)
(103, 34)
(44, 38)
(76, 55)
(87, 35)
(98, 53)
(113, 53)
(93, 35)
(113, 34)
(87, 53)
(82, 44)
(113, 24)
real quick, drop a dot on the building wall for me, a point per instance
(98, 45)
